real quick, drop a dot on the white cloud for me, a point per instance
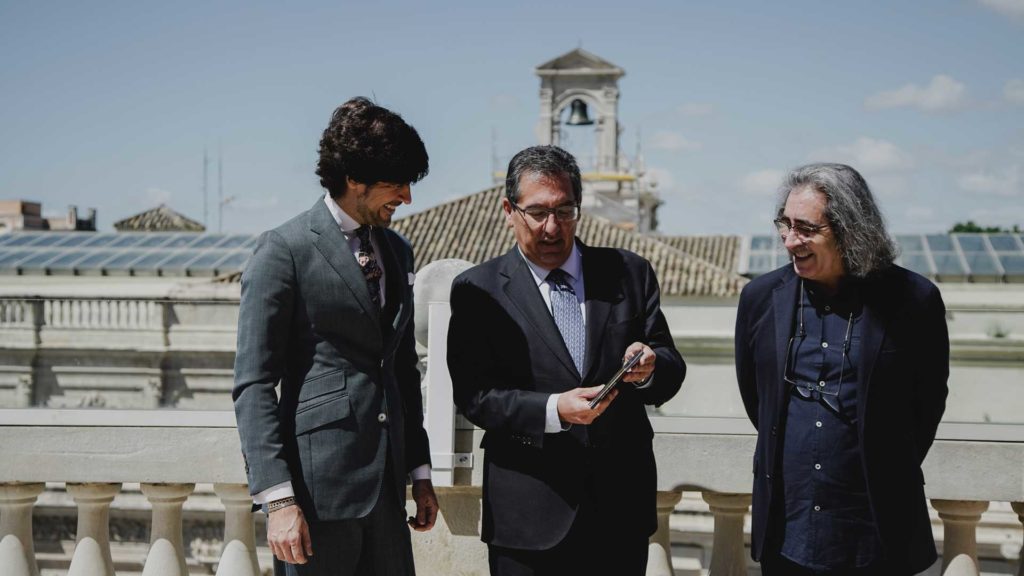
(673, 141)
(761, 182)
(1005, 182)
(1013, 91)
(1011, 8)
(942, 94)
(696, 109)
(867, 155)
(157, 196)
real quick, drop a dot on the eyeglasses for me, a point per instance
(803, 230)
(540, 215)
(808, 390)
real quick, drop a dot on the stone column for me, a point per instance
(166, 552)
(728, 556)
(17, 553)
(959, 520)
(92, 540)
(238, 558)
(659, 551)
(1018, 507)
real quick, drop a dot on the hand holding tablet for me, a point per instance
(616, 379)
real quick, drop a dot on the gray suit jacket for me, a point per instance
(349, 386)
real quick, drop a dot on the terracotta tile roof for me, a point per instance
(472, 228)
(722, 251)
(159, 219)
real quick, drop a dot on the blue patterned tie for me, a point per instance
(368, 262)
(568, 317)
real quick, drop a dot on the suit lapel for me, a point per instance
(333, 246)
(603, 292)
(394, 277)
(873, 327)
(784, 304)
(521, 290)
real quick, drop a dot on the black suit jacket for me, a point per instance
(506, 357)
(903, 370)
(349, 386)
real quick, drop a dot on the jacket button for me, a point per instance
(768, 476)
(382, 417)
(774, 429)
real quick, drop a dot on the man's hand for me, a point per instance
(288, 535)
(426, 505)
(645, 368)
(574, 405)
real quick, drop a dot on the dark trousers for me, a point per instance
(590, 547)
(376, 545)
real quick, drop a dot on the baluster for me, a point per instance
(17, 552)
(659, 550)
(1018, 507)
(959, 536)
(92, 541)
(728, 557)
(238, 557)
(166, 552)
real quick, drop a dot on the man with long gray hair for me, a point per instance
(842, 359)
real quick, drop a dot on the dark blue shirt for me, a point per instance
(828, 519)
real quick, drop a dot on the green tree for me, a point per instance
(970, 226)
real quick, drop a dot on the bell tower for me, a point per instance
(585, 88)
(582, 80)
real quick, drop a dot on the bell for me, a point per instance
(578, 114)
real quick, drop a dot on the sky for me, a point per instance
(111, 105)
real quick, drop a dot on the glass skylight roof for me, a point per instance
(124, 253)
(942, 257)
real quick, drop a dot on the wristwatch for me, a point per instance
(276, 505)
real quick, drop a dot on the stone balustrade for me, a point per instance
(169, 452)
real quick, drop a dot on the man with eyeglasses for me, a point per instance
(568, 488)
(842, 359)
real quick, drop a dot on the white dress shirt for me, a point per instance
(348, 227)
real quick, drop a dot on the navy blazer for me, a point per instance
(506, 357)
(349, 386)
(904, 367)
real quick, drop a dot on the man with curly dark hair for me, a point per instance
(326, 314)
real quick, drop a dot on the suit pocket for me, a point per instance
(323, 384)
(322, 411)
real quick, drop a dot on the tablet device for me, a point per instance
(615, 379)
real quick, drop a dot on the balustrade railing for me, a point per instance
(169, 452)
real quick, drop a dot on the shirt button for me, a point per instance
(382, 417)
(818, 424)
(824, 344)
(821, 383)
(817, 508)
(817, 466)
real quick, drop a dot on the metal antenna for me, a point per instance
(220, 187)
(206, 163)
(494, 154)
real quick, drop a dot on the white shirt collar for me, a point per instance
(573, 266)
(347, 223)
